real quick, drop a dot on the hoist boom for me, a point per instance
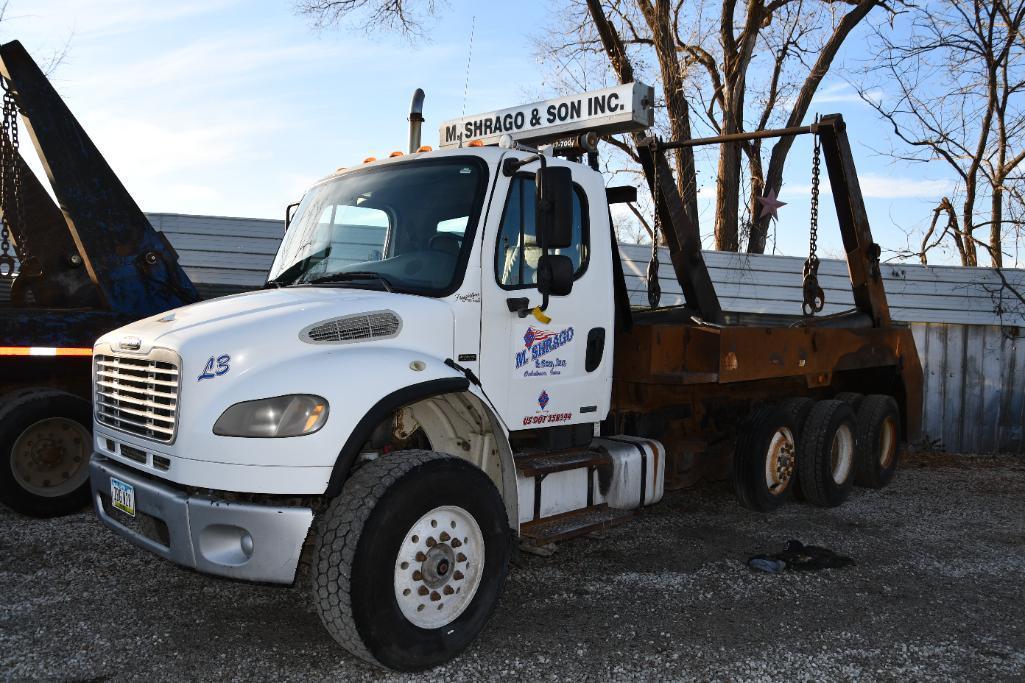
(98, 249)
(684, 240)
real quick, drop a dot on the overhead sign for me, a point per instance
(621, 109)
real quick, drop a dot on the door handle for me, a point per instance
(595, 348)
(520, 305)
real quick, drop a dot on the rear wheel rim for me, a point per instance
(888, 443)
(779, 461)
(439, 567)
(50, 458)
(841, 453)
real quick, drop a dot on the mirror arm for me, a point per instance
(510, 165)
(288, 214)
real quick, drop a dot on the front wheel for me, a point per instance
(411, 559)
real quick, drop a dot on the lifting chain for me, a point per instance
(10, 187)
(814, 297)
(654, 288)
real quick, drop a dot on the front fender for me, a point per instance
(384, 407)
(353, 380)
(410, 395)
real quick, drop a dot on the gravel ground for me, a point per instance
(937, 592)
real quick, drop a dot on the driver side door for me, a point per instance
(538, 372)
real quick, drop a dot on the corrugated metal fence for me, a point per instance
(220, 254)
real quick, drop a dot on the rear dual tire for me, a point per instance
(764, 467)
(877, 434)
(827, 452)
(850, 439)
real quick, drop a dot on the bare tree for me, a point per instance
(52, 61)
(954, 88)
(702, 54)
(400, 16)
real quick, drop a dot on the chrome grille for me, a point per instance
(138, 394)
(353, 328)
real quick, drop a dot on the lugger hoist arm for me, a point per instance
(684, 240)
(97, 250)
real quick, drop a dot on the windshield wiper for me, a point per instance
(349, 276)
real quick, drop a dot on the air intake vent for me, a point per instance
(353, 328)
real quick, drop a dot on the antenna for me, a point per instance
(469, 56)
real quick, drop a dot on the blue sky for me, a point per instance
(232, 108)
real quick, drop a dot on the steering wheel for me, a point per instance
(445, 241)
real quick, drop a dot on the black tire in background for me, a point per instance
(45, 445)
(359, 557)
(764, 465)
(852, 398)
(826, 453)
(797, 408)
(877, 436)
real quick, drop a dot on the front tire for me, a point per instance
(411, 559)
(45, 444)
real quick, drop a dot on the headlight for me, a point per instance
(293, 415)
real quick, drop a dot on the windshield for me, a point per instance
(401, 227)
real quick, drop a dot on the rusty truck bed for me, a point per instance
(690, 384)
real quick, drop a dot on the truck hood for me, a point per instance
(274, 318)
(253, 346)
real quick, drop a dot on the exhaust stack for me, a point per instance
(416, 119)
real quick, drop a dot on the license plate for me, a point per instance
(122, 496)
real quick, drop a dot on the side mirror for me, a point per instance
(554, 275)
(554, 207)
(289, 212)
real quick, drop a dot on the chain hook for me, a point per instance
(814, 297)
(12, 224)
(654, 287)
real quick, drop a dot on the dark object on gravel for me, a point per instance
(799, 557)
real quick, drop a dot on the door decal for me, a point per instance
(545, 353)
(542, 416)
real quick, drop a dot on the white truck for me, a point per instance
(429, 374)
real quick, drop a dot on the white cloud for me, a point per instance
(149, 148)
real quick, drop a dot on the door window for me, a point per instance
(518, 250)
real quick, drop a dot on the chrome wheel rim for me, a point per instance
(51, 457)
(439, 566)
(888, 447)
(842, 453)
(780, 461)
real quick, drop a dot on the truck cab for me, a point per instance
(402, 314)
(393, 278)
